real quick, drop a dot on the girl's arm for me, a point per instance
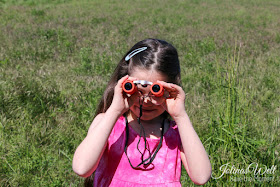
(194, 157)
(90, 151)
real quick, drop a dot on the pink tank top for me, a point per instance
(115, 170)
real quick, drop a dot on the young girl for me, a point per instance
(132, 141)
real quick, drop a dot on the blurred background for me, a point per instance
(56, 57)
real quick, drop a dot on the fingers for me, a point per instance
(122, 80)
(120, 100)
(173, 89)
(132, 78)
(169, 86)
(129, 99)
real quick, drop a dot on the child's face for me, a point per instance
(149, 110)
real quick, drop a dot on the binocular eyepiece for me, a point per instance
(130, 87)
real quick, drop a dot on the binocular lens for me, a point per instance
(156, 88)
(128, 86)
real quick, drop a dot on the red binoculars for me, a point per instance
(130, 87)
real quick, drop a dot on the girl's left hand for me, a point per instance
(175, 103)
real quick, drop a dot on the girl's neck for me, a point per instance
(152, 122)
(152, 127)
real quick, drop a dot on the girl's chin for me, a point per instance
(147, 117)
(147, 111)
(147, 114)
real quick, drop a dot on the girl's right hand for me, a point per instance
(121, 102)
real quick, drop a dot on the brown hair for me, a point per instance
(159, 55)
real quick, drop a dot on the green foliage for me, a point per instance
(56, 57)
(35, 12)
(277, 38)
(85, 55)
(34, 2)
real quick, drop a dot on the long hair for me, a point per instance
(159, 56)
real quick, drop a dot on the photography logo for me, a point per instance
(253, 172)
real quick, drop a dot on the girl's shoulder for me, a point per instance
(121, 122)
(96, 120)
(118, 129)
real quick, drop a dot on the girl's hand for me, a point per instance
(175, 103)
(121, 102)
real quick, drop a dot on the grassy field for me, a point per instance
(56, 57)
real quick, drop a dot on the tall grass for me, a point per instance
(231, 137)
(57, 56)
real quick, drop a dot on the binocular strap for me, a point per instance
(146, 162)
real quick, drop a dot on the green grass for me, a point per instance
(56, 57)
